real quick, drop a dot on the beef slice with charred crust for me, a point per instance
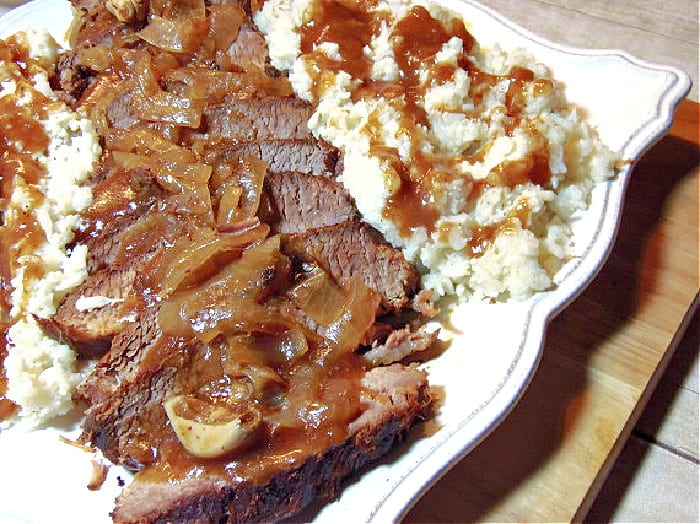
(394, 398)
(127, 389)
(121, 364)
(399, 344)
(258, 119)
(249, 51)
(301, 202)
(91, 327)
(356, 249)
(308, 156)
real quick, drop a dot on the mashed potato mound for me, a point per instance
(511, 163)
(41, 372)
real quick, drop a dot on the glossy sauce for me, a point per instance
(417, 39)
(328, 394)
(350, 26)
(21, 136)
(484, 236)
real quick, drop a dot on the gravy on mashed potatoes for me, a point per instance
(48, 151)
(470, 160)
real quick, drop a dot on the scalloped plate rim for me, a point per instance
(398, 499)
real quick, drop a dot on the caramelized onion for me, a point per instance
(146, 141)
(188, 182)
(319, 297)
(228, 203)
(348, 331)
(230, 301)
(149, 102)
(169, 108)
(176, 36)
(178, 9)
(239, 196)
(98, 58)
(344, 314)
(224, 23)
(189, 262)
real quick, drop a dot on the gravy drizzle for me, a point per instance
(21, 137)
(417, 38)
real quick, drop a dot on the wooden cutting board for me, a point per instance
(603, 356)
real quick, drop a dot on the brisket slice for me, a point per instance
(249, 51)
(395, 397)
(301, 202)
(104, 245)
(120, 114)
(120, 365)
(303, 155)
(400, 344)
(91, 330)
(73, 78)
(258, 119)
(356, 249)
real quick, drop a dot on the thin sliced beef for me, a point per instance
(103, 246)
(400, 344)
(301, 202)
(394, 398)
(120, 113)
(258, 119)
(304, 155)
(249, 51)
(120, 365)
(356, 249)
(73, 78)
(91, 326)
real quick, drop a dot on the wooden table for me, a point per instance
(604, 354)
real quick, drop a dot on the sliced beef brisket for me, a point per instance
(92, 314)
(394, 398)
(301, 202)
(308, 156)
(258, 119)
(216, 325)
(356, 249)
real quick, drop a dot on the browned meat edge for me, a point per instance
(301, 202)
(91, 331)
(397, 397)
(356, 249)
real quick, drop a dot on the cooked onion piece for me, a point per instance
(237, 190)
(224, 23)
(189, 262)
(232, 299)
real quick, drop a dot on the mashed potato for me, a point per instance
(45, 200)
(470, 160)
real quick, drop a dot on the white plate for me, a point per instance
(485, 370)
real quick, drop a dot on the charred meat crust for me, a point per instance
(384, 424)
(302, 202)
(356, 249)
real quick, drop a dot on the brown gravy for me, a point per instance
(417, 39)
(21, 136)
